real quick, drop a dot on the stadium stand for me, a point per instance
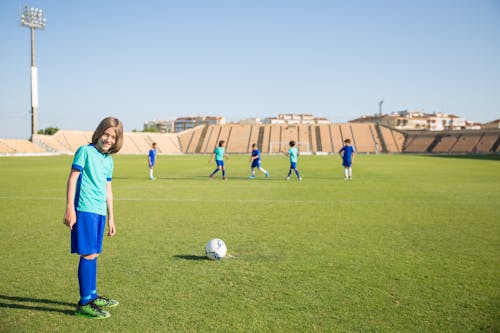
(365, 142)
(487, 143)
(466, 143)
(310, 138)
(13, 146)
(444, 143)
(418, 143)
(393, 139)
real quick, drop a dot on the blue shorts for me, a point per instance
(87, 233)
(255, 164)
(293, 165)
(346, 163)
(219, 163)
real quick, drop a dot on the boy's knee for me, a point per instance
(90, 256)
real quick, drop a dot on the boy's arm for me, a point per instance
(69, 218)
(111, 216)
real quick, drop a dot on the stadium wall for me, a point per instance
(319, 139)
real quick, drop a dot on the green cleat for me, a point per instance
(102, 301)
(91, 310)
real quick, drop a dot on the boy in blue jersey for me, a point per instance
(152, 160)
(255, 160)
(220, 154)
(89, 199)
(293, 154)
(347, 154)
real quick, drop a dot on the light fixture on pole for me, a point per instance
(33, 18)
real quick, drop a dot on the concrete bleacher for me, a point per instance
(418, 143)
(394, 140)
(365, 142)
(445, 143)
(466, 143)
(486, 143)
(310, 138)
(15, 146)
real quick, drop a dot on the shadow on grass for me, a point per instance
(489, 157)
(45, 304)
(190, 257)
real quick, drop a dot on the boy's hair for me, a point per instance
(154, 144)
(347, 141)
(221, 142)
(103, 126)
(292, 143)
(254, 145)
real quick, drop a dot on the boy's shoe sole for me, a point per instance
(92, 311)
(102, 301)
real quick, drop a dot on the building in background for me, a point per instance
(416, 120)
(185, 123)
(292, 118)
(162, 126)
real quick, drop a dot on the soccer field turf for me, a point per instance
(411, 244)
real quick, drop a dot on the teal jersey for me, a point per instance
(293, 153)
(96, 169)
(219, 153)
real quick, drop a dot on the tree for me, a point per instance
(49, 131)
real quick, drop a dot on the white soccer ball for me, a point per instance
(215, 249)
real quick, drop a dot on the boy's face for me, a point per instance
(107, 140)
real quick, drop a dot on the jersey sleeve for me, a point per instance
(79, 159)
(109, 175)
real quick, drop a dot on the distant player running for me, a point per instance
(293, 154)
(347, 153)
(255, 160)
(152, 160)
(220, 153)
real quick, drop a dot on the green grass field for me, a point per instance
(412, 244)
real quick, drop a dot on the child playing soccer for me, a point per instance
(219, 153)
(89, 198)
(255, 160)
(293, 153)
(347, 154)
(152, 160)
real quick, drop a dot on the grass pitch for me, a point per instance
(410, 245)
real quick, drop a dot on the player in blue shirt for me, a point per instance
(293, 154)
(347, 153)
(220, 154)
(152, 160)
(89, 199)
(255, 160)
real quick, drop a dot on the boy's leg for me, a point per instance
(346, 173)
(214, 172)
(298, 174)
(350, 172)
(223, 172)
(87, 279)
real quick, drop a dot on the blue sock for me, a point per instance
(289, 173)
(215, 171)
(223, 173)
(86, 278)
(94, 281)
(297, 173)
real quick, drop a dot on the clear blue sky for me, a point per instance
(144, 60)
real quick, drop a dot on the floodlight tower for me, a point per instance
(33, 18)
(380, 111)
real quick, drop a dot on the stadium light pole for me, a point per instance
(33, 18)
(380, 111)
